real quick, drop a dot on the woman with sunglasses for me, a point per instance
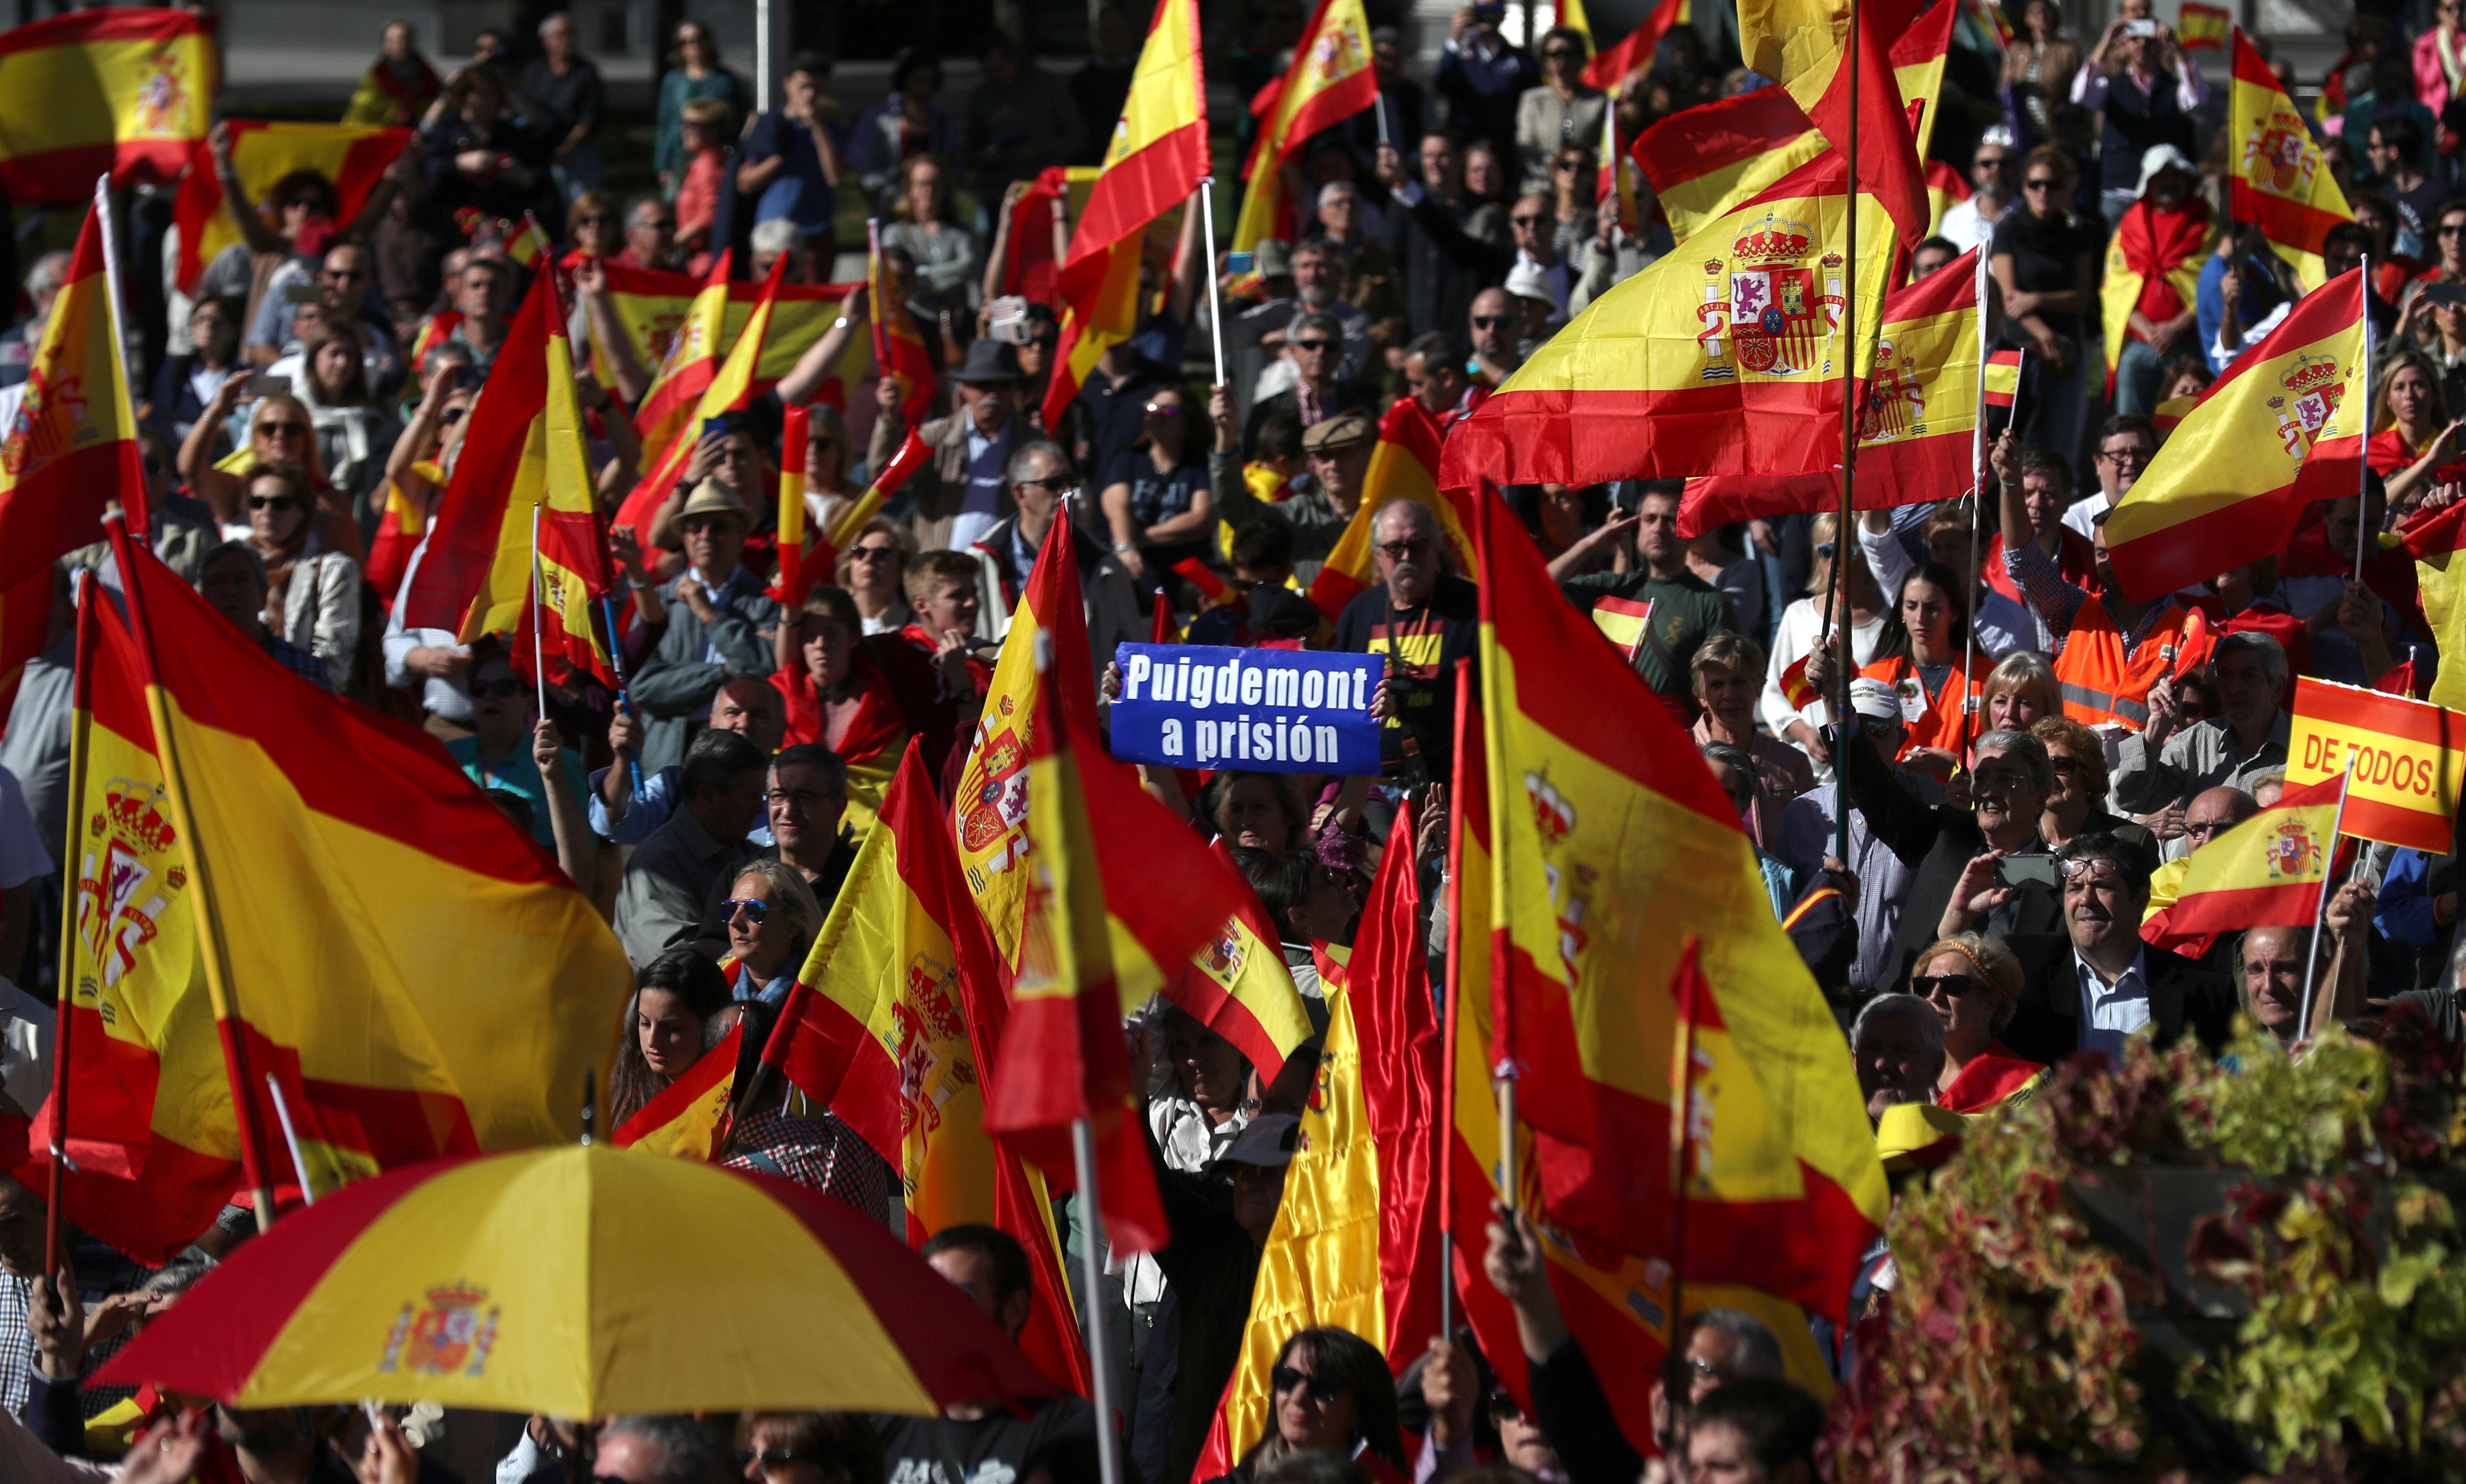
(861, 697)
(1973, 983)
(2078, 805)
(312, 596)
(874, 571)
(808, 1447)
(1562, 111)
(1156, 497)
(2046, 262)
(281, 430)
(1330, 1393)
(770, 916)
(680, 1011)
(1575, 179)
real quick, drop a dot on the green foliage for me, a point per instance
(2009, 1348)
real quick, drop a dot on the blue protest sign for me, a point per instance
(1276, 711)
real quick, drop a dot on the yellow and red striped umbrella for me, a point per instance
(578, 1282)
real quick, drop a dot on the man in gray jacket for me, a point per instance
(719, 625)
(1338, 451)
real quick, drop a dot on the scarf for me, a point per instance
(879, 721)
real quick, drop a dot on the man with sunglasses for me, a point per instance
(719, 623)
(1042, 478)
(343, 301)
(2094, 984)
(1494, 325)
(1993, 182)
(1315, 348)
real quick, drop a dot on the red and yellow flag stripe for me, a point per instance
(1404, 465)
(124, 92)
(2277, 179)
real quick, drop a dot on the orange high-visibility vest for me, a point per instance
(2101, 683)
(1933, 720)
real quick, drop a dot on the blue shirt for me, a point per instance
(797, 192)
(519, 774)
(2209, 302)
(650, 809)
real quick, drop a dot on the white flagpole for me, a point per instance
(2321, 913)
(2362, 534)
(291, 1139)
(1214, 305)
(539, 650)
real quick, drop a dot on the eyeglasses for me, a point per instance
(593, 216)
(1315, 347)
(276, 502)
(655, 224)
(2133, 453)
(1401, 550)
(872, 553)
(2095, 868)
(1503, 1408)
(2039, 183)
(2449, 229)
(1164, 410)
(1925, 986)
(285, 429)
(2065, 767)
(345, 275)
(1568, 165)
(1562, 54)
(1993, 163)
(1490, 322)
(753, 908)
(1824, 549)
(452, 415)
(2203, 829)
(1310, 1387)
(502, 690)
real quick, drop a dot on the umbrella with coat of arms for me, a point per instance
(579, 1282)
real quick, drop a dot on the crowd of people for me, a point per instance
(2021, 749)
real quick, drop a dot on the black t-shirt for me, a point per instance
(923, 1449)
(1422, 645)
(2044, 254)
(1157, 496)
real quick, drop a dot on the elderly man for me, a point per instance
(1319, 510)
(2095, 984)
(660, 1449)
(1807, 834)
(1897, 1046)
(1041, 478)
(1685, 609)
(2269, 968)
(671, 875)
(962, 492)
(2164, 766)
(1421, 619)
(231, 579)
(650, 236)
(719, 623)
(749, 707)
(1943, 845)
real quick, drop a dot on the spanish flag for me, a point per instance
(1702, 162)
(2409, 759)
(524, 467)
(1356, 1240)
(2153, 266)
(70, 451)
(824, 553)
(1404, 465)
(1097, 847)
(1617, 1305)
(1946, 188)
(1918, 425)
(1610, 65)
(2266, 872)
(2003, 380)
(249, 914)
(2285, 426)
(691, 352)
(1236, 984)
(652, 309)
(689, 1117)
(1810, 46)
(1158, 157)
(352, 157)
(1723, 359)
(1607, 827)
(2278, 179)
(2438, 547)
(2202, 27)
(728, 388)
(894, 1024)
(1328, 81)
(126, 93)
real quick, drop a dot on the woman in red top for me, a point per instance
(861, 697)
(1936, 673)
(2419, 437)
(1974, 983)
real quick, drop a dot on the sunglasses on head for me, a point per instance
(1310, 1387)
(502, 689)
(754, 910)
(272, 502)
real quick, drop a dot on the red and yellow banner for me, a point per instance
(2267, 871)
(1610, 66)
(1330, 80)
(70, 451)
(689, 1117)
(730, 389)
(2277, 180)
(128, 93)
(248, 912)
(353, 158)
(2438, 545)
(2409, 758)
(1607, 827)
(1721, 360)
(1917, 429)
(1404, 465)
(2284, 427)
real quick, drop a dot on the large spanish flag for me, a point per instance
(1330, 80)
(2265, 872)
(70, 451)
(730, 389)
(1918, 424)
(692, 348)
(1813, 48)
(2278, 179)
(1356, 1240)
(1617, 1305)
(1703, 160)
(894, 1023)
(408, 971)
(126, 93)
(523, 474)
(1404, 465)
(2285, 426)
(1610, 65)
(353, 158)
(1607, 828)
(1156, 158)
(2409, 759)
(2153, 266)
(1724, 358)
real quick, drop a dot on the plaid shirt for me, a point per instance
(820, 1154)
(101, 1274)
